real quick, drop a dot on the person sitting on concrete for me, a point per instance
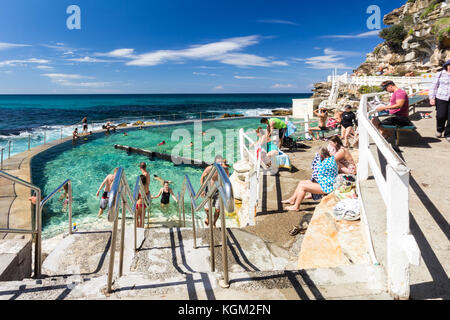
(344, 159)
(398, 109)
(327, 171)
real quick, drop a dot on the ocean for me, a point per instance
(25, 115)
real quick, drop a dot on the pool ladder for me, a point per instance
(222, 185)
(36, 228)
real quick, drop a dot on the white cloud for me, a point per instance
(64, 79)
(331, 60)
(44, 67)
(218, 87)
(119, 53)
(223, 51)
(5, 45)
(204, 74)
(64, 76)
(279, 21)
(368, 34)
(89, 59)
(282, 86)
(13, 63)
(249, 77)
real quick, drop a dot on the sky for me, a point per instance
(181, 46)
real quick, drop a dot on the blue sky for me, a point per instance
(176, 46)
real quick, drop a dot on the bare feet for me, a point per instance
(309, 196)
(292, 208)
(206, 222)
(287, 202)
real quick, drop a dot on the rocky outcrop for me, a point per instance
(425, 40)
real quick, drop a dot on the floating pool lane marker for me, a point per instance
(164, 156)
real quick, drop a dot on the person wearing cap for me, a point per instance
(215, 198)
(398, 108)
(440, 97)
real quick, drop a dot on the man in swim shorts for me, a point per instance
(322, 114)
(107, 183)
(215, 198)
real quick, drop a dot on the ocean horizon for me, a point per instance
(22, 115)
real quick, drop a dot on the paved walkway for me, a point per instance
(429, 203)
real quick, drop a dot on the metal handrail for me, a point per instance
(47, 198)
(226, 201)
(37, 230)
(120, 190)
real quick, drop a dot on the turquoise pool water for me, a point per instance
(87, 163)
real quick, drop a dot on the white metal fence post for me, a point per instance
(241, 143)
(307, 135)
(363, 165)
(397, 228)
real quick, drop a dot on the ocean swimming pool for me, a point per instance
(87, 163)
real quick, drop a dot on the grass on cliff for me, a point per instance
(369, 89)
(441, 28)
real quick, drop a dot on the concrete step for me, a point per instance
(245, 252)
(351, 282)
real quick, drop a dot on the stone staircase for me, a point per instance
(168, 267)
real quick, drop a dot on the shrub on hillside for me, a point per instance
(394, 37)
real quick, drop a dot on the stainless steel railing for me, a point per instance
(120, 192)
(36, 229)
(226, 200)
(69, 195)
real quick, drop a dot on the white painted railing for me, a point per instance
(254, 158)
(422, 82)
(402, 249)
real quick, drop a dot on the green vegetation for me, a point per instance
(394, 37)
(433, 5)
(369, 89)
(441, 28)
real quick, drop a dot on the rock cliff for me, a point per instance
(417, 41)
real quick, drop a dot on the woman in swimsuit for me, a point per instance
(343, 157)
(165, 192)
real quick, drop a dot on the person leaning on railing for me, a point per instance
(440, 97)
(398, 109)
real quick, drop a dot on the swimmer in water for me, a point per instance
(165, 192)
(161, 143)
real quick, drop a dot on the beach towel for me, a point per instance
(291, 128)
(332, 123)
(347, 209)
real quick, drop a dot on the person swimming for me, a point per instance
(165, 192)
(161, 143)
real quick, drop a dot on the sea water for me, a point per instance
(24, 117)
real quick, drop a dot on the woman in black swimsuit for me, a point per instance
(348, 117)
(165, 192)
